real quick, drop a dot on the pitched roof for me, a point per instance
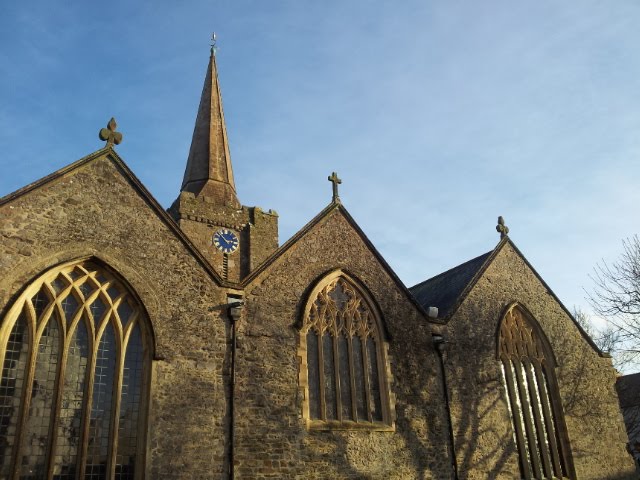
(628, 387)
(445, 289)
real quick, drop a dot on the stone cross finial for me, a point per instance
(110, 135)
(502, 228)
(333, 178)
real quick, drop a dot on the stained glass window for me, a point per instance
(16, 361)
(532, 398)
(75, 368)
(128, 444)
(344, 353)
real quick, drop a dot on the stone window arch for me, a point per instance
(528, 371)
(344, 371)
(75, 350)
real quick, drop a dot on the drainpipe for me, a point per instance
(439, 343)
(235, 312)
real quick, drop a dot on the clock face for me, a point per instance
(225, 240)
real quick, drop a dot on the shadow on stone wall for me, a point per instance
(482, 444)
(595, 409)
(273, 441)
(482, 425)
(430, 450)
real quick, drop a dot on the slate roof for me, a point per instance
(443, 290)
(628, 387)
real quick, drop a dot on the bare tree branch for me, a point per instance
(616, 297)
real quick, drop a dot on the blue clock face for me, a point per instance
(225, 240)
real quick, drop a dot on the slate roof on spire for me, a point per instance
(209, 172)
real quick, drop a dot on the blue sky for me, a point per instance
(438, 116)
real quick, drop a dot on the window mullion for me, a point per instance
(84, 435)
(336, 375)
(382, 384)
(323, 415)
(55, 407)
(86, 396)
(365, 374)
(534, 395)
(352, 379)
(115, 402)
(26, 391)
(526, 411)
(516, 412)
(548, 417)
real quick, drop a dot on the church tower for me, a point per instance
(233, 238)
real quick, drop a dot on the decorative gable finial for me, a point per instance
(502, 228)
(333, 178)
(110, 135)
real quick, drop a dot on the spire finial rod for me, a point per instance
(502, 228)
(213, 43)
(333, 178)
(109, 134)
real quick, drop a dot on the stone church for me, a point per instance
(188, 343)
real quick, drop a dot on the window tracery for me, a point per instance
(343, 355)
(532, 398)
(75, 363)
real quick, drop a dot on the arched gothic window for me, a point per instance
(532, 396)
(75, 358)
(343, 356)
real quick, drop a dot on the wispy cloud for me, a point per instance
(439, 116)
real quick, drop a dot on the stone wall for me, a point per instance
(93, 211)
(272, 439)
(482, 425)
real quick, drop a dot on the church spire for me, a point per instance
(209, 172)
